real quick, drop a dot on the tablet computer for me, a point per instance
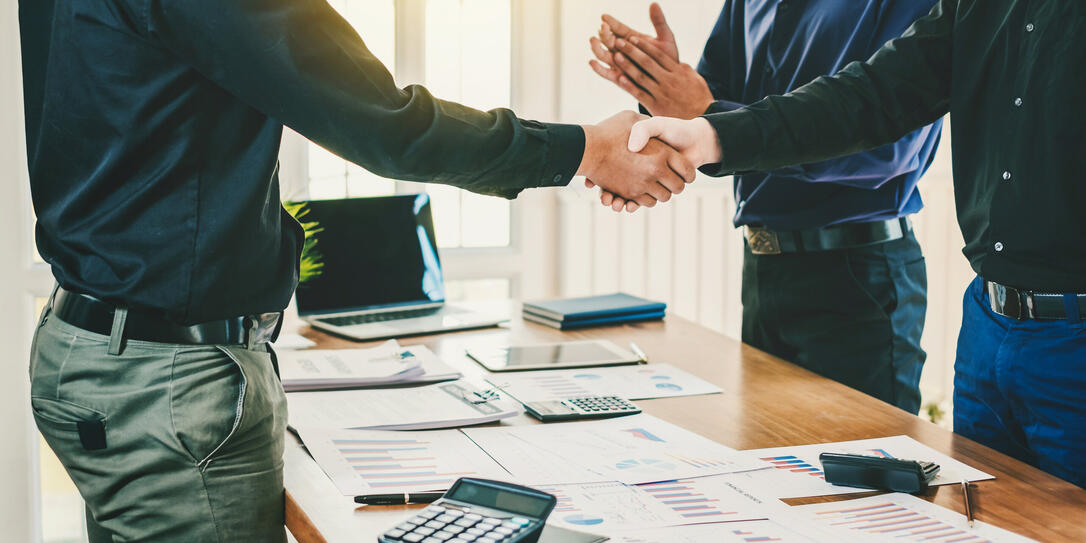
(567, 354)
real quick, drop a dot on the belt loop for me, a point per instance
(1070, 303)
(250, 325)
(48, 305)
(116, 335)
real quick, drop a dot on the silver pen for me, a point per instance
(644, 358)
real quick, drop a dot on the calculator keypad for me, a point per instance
(437, 524)
(600, 404)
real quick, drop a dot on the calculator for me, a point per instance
(877, 472)
(478, 511)
(588, 407)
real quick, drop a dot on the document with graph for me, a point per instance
(640, 382)
(387, 462)
(731, 532)
(632, 450)
(897, 517)
(610, 508)
(795, 472)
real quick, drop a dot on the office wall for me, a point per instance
(686, 252)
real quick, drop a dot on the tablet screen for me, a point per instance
(553, 355)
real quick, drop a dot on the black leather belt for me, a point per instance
(1026, 305)
(94, 315)
(844, 236)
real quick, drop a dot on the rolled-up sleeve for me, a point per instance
(299, 62)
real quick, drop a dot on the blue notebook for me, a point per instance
(585, 323)
(594, 308)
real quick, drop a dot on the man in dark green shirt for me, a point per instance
(1010, 73)
(153, 131)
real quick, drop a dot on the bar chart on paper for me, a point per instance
(375, 461)
(730, 532)
(705, 499)
(898, 517)
(632, 382)
(606, 506)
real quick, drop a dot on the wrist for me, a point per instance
(591, 150)
(706, 143)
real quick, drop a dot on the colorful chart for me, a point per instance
(747, 535)
(384, 463)
(686, 500)
(642, 433)
(795, 464)
(582, 520)
(890, 519)
(642, 463)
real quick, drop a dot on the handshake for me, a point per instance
(638, 161)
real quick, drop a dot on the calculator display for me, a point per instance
(504, 500)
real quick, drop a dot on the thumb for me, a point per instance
(659, 22)
(643, 131)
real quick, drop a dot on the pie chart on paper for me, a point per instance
(582, 520)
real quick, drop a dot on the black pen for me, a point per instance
(399, 499)
(968, 506)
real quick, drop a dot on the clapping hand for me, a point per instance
(648, 68)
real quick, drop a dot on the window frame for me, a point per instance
(529, 261)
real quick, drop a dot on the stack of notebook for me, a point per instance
(572, 313)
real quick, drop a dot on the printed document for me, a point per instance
(639, 382)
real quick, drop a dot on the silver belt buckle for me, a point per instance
(262, 328)
(1010, 302)
(762, 241)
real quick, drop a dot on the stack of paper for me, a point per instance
(387, 364)
(446, 405)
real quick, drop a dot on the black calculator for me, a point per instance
(588, 407)
(862, 471)
(478, 511)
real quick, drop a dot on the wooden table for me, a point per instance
(766, 403)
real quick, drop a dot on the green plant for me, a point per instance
(311, 265)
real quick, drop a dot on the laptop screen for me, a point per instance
(377, 252)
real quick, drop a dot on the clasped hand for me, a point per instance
(633, 179)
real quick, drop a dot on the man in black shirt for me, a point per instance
(153, 129)
(1010, 74)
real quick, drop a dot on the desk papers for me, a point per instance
(382, 462)
(897, 517)
(635, 449)
(730, 532)
(795, 472)
(445, 405)
(386, 364)
(637, 382)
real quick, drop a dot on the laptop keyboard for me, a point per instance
(349, 320)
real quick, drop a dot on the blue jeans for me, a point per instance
(1020, 386)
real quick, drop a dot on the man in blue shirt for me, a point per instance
(833, 277)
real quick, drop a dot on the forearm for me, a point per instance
(303, 65)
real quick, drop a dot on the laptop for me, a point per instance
(382, 274)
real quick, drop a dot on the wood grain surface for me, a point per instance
(766, 403)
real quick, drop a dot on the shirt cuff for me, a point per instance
(740, 139)
(564, 153)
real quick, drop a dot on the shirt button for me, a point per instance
(999, 246)
(557, 179)
(1029, 27)
(1006, 176)
(1018, 102)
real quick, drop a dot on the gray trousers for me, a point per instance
(165, 442)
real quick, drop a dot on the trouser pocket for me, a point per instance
(207, 401)
(64, 421)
